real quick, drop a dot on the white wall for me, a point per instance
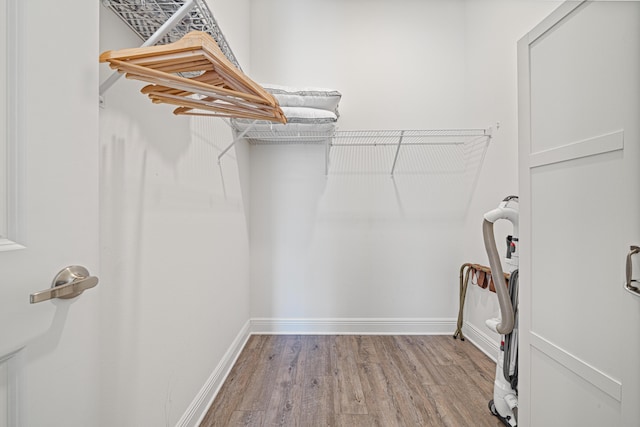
(493, 28)
(365, 245)
(174, 244)
(343, 247)
(357, 245)
(399, 64)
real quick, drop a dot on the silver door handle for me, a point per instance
(629, 284)
(68, 283)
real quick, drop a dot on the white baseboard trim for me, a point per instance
(354, 326)
(198, 408)
(487, 344)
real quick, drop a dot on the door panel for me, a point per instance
(579, 102)
(3, 120)
(52, 347)
(585, 405)
(578, 73)
(565, 225)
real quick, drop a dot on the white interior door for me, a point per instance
(49, 350)
(579, 102)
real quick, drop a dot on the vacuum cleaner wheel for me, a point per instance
(492, 408)
(494, 411)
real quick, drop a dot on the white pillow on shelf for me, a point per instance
(309, 97)
(311, 121)
(308, 115)
(297, 115)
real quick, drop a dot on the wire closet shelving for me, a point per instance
(444, 151)
(145, 17)
(410, 152)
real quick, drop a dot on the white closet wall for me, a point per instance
(398, 64)
(493, 29)
(174, 244)
(357, 246)
(364, 245)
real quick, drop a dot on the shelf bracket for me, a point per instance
(395, 159)
(155, 37)
(238, 138)
(327, 154)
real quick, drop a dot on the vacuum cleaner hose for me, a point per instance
(504, 300)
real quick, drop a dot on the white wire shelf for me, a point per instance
(438, 151)
(145, 17)
(407, 137)
(340, 138)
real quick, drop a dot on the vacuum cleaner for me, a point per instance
(504, 404)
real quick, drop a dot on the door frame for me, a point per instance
(524, 168)
(12, 362)
(14, 152)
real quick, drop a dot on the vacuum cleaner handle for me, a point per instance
(504, 300)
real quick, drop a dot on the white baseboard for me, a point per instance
(198, 408)
(487, 344)
(354, 326)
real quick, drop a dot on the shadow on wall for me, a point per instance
(383, 198)
(428, 181)
(286, 183)
(212, 132)
(139, 168)
(384, 244)
(173, 246)
(352, 244)
(122, 195)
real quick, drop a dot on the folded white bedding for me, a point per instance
(308, 115)
(309, 97)
(294, 115)
(300, 120)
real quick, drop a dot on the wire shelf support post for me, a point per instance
(238, 138)
(395, 159)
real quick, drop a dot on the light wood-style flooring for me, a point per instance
(347, 380)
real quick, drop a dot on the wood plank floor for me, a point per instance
(347, 380)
